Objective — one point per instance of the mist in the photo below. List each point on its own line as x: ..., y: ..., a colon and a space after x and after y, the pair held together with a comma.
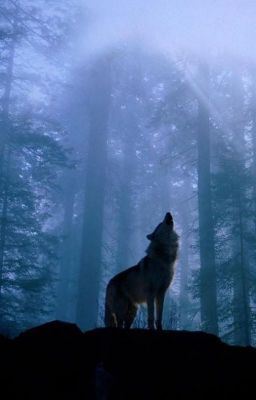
x: 113, y: 113
x: 204, y: 28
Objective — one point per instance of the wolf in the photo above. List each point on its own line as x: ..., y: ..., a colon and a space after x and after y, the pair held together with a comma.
x: 146, y: 282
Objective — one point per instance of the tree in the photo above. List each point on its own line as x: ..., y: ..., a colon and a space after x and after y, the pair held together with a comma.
x: 208, y: 290
x: 99, y: 93
x: 31, y: 160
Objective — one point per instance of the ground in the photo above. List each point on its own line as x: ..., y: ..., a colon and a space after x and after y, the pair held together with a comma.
x: 58, y: 360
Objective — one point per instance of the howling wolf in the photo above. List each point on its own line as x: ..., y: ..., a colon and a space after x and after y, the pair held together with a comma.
x: 146, y: 282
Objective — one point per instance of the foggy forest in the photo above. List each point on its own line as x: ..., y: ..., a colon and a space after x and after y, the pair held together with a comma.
x: 113, y: 113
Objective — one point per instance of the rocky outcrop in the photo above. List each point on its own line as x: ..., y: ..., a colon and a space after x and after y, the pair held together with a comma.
x: 57, y: 360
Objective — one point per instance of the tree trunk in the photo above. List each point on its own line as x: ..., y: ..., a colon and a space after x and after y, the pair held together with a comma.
x: 6, y: 98
x: 242, y: 334
x: 95, y: 176
x: 5, y: 154
x: 208, y: 295
x: 63, y: 299
x: 184, y: 263
x: 125, y: 207
x: 241, y: 302
x: 253, y: 138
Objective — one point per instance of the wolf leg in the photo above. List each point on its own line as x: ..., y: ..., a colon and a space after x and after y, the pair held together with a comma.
x: 150, y: 305
x: 159, y: 309
x: 131, y: 314
x: 122, y: 305
x: 110, y: 319
x: 120, y: 322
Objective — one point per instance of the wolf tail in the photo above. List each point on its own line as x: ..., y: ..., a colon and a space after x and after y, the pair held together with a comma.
x: 110, y: 317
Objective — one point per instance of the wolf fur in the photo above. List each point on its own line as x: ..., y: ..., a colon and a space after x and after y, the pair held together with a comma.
x: 146, y: 282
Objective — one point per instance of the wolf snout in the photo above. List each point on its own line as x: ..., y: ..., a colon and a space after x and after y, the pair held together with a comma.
x: 168, y: 218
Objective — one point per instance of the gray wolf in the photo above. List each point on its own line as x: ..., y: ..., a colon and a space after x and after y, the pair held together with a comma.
x: 146, y: 282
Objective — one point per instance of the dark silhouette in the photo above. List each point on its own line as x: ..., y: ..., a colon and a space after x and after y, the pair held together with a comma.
x: 57, y: 360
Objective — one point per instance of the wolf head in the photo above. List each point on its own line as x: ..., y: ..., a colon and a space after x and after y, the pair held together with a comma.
x: 163, y: 241
x: 163, y: 229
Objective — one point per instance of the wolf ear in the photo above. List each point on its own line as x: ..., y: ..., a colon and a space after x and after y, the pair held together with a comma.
x: 150, y: 236
x: 168, y: 219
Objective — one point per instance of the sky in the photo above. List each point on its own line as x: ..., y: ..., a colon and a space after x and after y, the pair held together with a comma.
x: 201, y: 26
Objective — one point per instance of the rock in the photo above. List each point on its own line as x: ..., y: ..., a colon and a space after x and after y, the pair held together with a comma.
x: 58, y: 360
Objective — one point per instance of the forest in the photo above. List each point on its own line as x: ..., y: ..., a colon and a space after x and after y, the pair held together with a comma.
x: 111, y: 114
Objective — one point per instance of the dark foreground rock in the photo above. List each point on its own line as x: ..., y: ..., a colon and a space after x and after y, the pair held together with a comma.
x: 57, y: 360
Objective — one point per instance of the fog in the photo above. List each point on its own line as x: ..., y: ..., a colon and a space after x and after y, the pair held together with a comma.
x: 112, y: 114
x: 204, y: 28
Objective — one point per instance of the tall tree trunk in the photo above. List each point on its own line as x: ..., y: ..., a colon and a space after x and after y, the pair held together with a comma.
x: 5, y: 154
x: 241, y: 302
x: 253, y: 138
x: 3, y: 225
x: 131, y: 91
x: 95, y: 176
x: 125, y: 216
x: 6, y: 98
x: 242, y: 334
x: 208, y: 294
x: 184, y: 263
x: 67, y: 251
x: 125, y: 206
